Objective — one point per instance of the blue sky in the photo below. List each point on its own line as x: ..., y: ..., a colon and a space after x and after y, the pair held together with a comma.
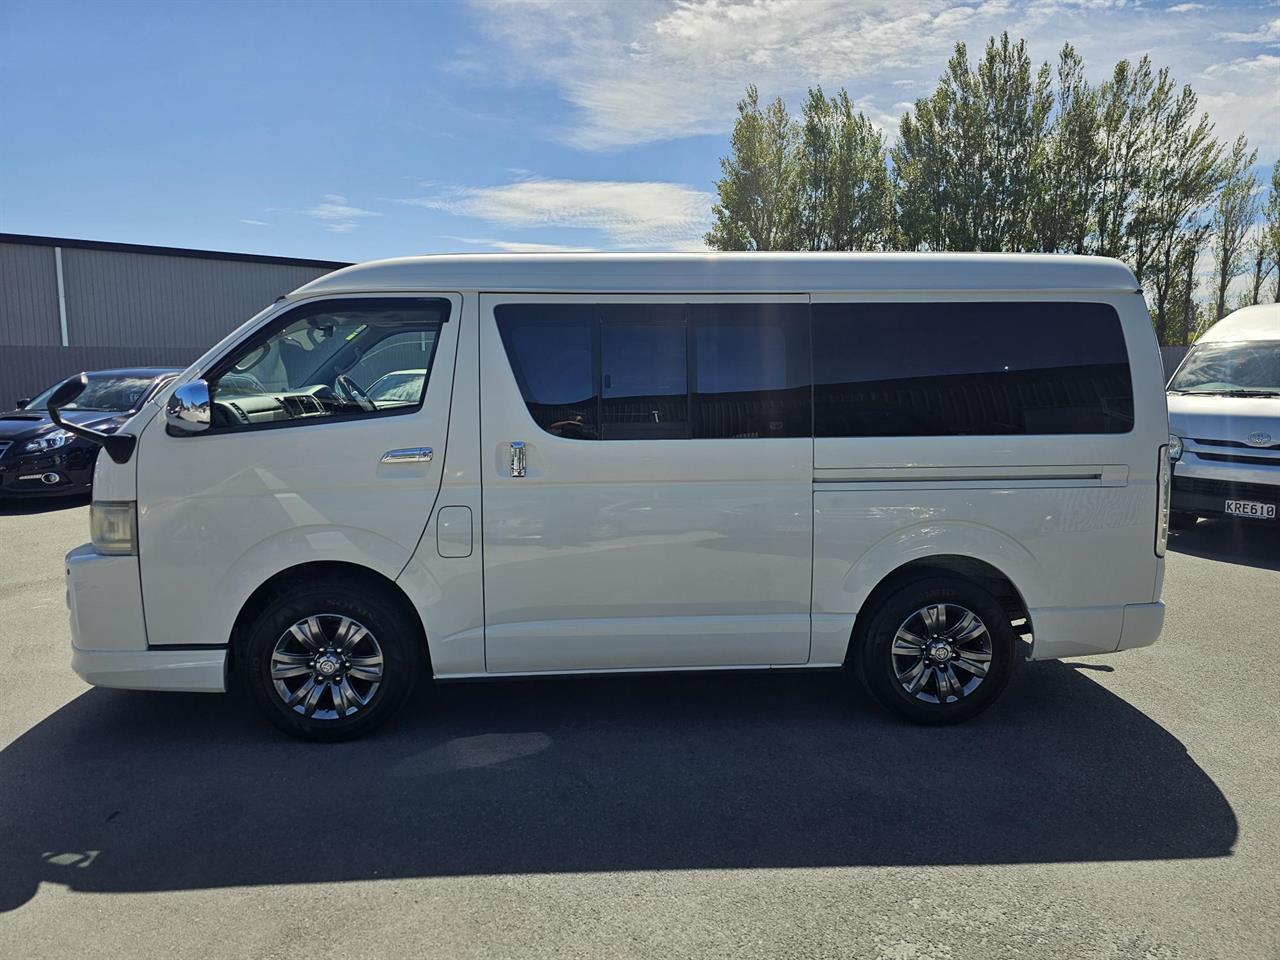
x: 359, y: 130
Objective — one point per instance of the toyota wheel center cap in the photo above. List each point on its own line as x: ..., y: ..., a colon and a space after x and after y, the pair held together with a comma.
x: 327, y: 666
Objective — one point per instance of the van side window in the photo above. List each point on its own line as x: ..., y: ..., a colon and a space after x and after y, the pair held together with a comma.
x: 644, y: 384
x: 361, y: 357
x: 945, y: 369
x: 751, y: 370
x: 552, y: 348
x: 657, y: 371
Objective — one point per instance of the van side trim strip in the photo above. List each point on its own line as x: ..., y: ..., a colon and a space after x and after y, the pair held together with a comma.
x: 1101, y: 475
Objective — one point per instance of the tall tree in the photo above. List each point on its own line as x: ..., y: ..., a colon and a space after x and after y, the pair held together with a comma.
x: 1233, y: 215
x: 1269, y: 240
x: 1071, y: 180
x: 757, y: 189
x: 845, y: 193
x: 1183, y: 166
x: 1125, y: 104
x: 968, y: 157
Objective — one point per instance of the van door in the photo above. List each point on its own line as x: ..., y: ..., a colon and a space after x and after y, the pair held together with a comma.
x: 647, y: 489
x: 327, y: 442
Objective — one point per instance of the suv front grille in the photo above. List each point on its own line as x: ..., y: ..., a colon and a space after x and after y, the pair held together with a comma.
x: 1234, y: 458
x: 1234, y: 443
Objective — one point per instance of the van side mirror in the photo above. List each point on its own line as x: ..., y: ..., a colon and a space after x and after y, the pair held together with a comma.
x: 188, y: 409
x: 23, y: 401
x: 119, y: 446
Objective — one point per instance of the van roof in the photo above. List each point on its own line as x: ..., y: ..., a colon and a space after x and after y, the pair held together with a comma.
x: 1258, y: 322
x: 730, y: 273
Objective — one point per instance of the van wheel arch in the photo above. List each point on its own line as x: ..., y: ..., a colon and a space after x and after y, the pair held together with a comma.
x: 280, y: 582
x: 979, y: 572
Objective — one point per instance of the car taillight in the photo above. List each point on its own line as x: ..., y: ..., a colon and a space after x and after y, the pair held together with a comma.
x: 1164, y: 481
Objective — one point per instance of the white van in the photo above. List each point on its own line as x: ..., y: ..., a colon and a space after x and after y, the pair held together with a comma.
x: 924, y: 467
x: 1224, y: 414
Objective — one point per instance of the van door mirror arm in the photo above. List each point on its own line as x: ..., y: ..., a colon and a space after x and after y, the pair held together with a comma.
x: 119, y: 446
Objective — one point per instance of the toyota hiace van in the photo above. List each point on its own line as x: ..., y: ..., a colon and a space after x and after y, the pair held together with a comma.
x: 920, y: 467
x: 1224, y: 417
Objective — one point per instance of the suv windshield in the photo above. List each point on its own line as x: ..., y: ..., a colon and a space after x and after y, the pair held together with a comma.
x: 103, y: 394
x: 1240, y: 367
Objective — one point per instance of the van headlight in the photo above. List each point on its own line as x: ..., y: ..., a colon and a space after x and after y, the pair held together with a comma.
x: 113, y: 527
x: 50, y: 441
x: 1175, y: 448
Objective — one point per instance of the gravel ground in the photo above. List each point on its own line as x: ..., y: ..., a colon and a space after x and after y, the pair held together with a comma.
x: 1104, y: 808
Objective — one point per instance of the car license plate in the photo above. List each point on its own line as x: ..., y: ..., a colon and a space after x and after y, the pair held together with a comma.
x: 1248, y: 508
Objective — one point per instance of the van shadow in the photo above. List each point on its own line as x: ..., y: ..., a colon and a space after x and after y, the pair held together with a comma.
x: 121, y: 792
x: 1244, y: 542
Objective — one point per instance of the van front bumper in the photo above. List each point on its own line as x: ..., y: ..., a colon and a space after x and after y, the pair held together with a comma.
x: 109, y: 636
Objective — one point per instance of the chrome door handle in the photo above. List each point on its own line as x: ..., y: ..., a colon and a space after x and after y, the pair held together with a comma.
x: 517, y: 458
x: 407, y: 455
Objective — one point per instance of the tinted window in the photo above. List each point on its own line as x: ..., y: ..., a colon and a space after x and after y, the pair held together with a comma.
x: 644, y: 384
x: 551, y: 348
x: 751, y: 370
x: 661, y: 371
x: 330, y: 359
x: 938, y: 369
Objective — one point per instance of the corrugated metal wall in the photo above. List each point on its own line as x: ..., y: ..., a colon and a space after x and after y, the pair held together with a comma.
x: 28, y: 296
x: 123, y: 308
x: 115, y: 298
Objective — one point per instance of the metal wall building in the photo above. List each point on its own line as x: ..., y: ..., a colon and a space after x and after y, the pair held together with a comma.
x: 72, y: 305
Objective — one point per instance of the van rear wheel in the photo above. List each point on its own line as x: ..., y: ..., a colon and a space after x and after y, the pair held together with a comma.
x: 937, y: 650
x: 325, y: 661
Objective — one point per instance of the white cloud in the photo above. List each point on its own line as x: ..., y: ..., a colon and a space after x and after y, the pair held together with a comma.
x: 653, y: 70
x: 1244, y: 94
x: 629, y: 214
x: 337, y: 215
x: 256, y: 223
x: 1267, y: 33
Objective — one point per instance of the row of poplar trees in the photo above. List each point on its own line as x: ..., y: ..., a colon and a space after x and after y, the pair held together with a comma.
x: 1005, y: 156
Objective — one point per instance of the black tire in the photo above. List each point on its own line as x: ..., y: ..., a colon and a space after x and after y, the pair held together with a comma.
x: 877, y: 666
x: 1182, y: 521
x: 391, y: 634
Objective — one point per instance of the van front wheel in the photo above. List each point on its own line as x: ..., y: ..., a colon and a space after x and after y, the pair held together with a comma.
x: 937, y: 650
x: 325, y: 661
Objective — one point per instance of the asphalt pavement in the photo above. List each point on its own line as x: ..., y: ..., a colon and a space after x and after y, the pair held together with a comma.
x: 1114, y: 807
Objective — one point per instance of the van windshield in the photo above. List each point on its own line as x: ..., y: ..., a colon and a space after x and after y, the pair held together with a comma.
x: 1231, y: 368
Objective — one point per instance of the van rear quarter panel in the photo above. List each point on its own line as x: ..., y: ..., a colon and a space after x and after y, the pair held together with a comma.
x: 1069, y: 519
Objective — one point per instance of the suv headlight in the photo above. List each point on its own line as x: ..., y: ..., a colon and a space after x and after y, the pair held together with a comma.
x: 113, y: 527
x: 50, y: 441
x: 1175, y: 448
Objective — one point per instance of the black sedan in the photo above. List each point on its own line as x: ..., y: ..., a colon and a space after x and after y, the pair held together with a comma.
x: 37, y: 458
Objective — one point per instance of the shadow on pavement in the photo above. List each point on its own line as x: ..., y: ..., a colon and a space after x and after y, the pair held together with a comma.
x: 26, y: 506
x: 130, y: 792
x: 1248, y: 543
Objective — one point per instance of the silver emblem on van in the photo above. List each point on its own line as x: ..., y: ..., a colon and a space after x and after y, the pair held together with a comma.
x: 1259, y: 439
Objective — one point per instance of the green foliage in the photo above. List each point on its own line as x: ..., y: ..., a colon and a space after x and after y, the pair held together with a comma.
x: 1233, y: 214
x: 758, y: 206
x: 1007, y: 156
